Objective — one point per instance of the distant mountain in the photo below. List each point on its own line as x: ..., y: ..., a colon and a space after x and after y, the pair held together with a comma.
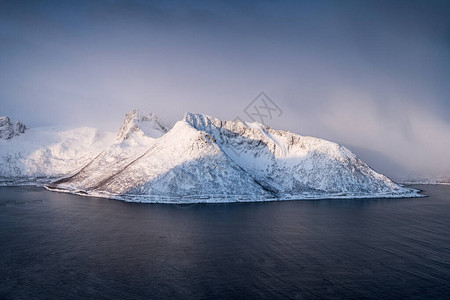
x: 426, y: 180
x: 10, y: 129
x: 45, y: 154
x: 204, y: 159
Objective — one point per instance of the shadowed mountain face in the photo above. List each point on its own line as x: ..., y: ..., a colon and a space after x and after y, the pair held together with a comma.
x: 204, y: 159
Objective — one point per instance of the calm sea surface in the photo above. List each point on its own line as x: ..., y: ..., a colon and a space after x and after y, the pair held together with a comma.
x: 55, y: 245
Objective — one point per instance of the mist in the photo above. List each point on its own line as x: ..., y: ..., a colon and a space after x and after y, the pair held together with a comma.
x: 372, y: 75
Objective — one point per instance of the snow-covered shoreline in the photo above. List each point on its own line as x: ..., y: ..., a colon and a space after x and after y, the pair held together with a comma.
x: 415, y: 193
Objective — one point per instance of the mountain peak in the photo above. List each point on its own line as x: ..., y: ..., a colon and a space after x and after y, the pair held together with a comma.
x: 202, y: 121
x: 10, y: 129
x: 141, y: 123
x: 198, y: 120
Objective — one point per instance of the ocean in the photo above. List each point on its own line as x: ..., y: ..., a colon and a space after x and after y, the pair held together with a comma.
x: 56, y: 245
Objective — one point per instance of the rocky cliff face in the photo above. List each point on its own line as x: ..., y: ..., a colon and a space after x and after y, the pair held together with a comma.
x: 10, y: 129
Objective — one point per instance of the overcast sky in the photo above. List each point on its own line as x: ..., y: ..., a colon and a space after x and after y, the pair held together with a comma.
x: 373, y: 75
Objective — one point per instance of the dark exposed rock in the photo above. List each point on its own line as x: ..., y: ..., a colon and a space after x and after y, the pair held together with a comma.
x: 10, y: 129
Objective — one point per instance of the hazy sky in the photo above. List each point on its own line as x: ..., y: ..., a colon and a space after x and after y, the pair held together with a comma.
x: 373, y: 75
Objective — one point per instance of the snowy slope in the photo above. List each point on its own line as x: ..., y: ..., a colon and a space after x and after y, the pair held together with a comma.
x: 49, y: 153
x: 137, y: 133
x: 291, y: 163
x: 203, y: 159
x: 183, y: 163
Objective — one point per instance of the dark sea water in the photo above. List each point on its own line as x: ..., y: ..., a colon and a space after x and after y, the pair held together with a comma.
x: 55, y: 245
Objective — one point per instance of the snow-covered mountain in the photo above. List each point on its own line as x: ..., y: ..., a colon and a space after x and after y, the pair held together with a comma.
x: 137, y: 134
x: 43, y: 154
x: 141, y: 124
x: 10, y: 129
x: 204, y: 159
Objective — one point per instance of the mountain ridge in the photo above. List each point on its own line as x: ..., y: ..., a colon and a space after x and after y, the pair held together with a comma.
x: 204, y: 159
